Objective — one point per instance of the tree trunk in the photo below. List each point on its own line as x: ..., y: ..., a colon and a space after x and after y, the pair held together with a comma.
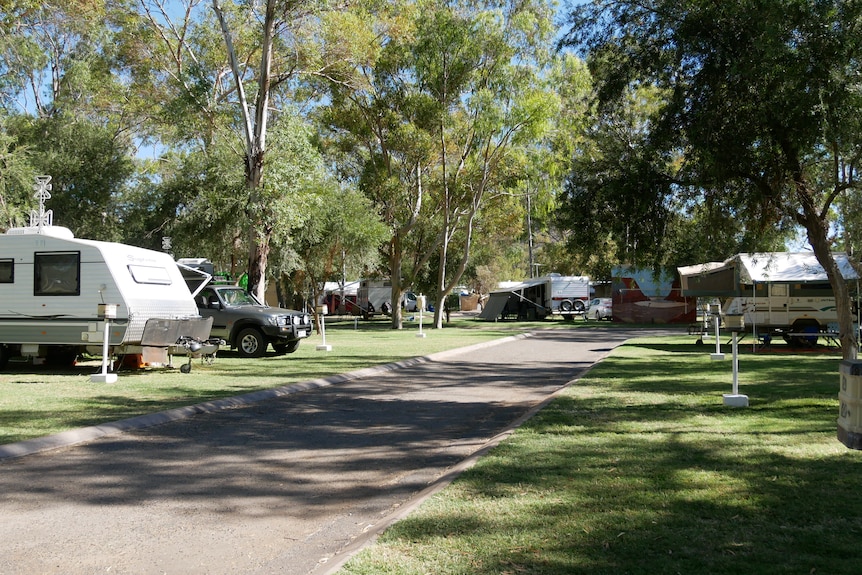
x: 259, y: 232
x: 818, y: 230
x: 441, y: 278
x: 395, y: 257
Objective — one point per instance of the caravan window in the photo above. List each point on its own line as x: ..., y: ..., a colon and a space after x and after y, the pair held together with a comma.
x: 57, y: 273
x: 7, y: 271
x: 150, y: 275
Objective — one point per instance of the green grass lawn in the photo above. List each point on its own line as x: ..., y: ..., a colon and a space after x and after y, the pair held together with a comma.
x: 640, y: 468
x: 37, y: 400
x: 636, y: 468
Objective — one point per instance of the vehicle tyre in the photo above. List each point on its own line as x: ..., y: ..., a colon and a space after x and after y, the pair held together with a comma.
x: 283, y: 348
x: 186, y: 368
x: 565, y: 305
x: 598, y: 317
x: 250, y: 343
x: 579, y: 306
x: 811, y: 326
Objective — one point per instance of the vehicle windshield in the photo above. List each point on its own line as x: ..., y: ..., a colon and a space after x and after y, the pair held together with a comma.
x: 237, y: 296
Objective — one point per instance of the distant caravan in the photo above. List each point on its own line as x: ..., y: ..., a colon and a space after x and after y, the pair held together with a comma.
x: 538, y: 298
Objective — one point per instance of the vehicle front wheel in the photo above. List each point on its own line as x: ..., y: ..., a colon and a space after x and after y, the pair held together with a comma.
x: 283, y: 348
x: 250, y: 343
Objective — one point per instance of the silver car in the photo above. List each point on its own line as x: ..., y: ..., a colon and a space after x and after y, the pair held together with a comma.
x: 600, y: 308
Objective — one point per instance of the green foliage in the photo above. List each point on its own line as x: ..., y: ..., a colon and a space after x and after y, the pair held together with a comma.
x: 752, y: 115
x: 340, y: 242
x: 90, y: 167
x: 16, y: 180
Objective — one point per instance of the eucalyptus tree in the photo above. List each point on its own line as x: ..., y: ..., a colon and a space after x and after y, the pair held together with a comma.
x: 90, y: 168
x: 342, y: 239
x: 435, y: 116
x: 378, y: 127
x: 16, y: 180
x: 58, y: 57
x: 486, y: 66
x: 761, y: 96
x: 65, y: 101
x: 229, y: 70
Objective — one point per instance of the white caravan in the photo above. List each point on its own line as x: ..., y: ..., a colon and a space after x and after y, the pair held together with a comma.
x: 54, y: 288
x: 538, y: 298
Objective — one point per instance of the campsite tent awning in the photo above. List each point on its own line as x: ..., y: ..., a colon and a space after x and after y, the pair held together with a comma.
x: 497, y: 299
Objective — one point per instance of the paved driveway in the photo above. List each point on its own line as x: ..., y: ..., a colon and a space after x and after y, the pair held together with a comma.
x: 290, y: 485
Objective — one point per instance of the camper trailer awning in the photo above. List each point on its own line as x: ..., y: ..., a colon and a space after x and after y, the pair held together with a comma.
x: 497, y: 299
x: 725, y: 278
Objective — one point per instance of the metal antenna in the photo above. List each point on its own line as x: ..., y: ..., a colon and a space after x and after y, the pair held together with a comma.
x: 42, y: 218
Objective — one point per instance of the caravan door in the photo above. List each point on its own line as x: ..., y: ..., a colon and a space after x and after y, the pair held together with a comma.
x: 779, y: 304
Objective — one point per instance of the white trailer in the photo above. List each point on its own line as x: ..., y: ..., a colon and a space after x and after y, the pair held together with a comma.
x: 538, y: 298
x: 568, y: 294
x: 53, y: 284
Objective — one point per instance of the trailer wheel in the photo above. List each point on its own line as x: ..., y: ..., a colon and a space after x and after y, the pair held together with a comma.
x: 565, y: 305
x: 250, y: 343
x: 806, y: 326
x: 579, y: 306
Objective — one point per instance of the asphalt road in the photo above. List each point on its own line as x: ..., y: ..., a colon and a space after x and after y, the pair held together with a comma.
x: 289, y: 485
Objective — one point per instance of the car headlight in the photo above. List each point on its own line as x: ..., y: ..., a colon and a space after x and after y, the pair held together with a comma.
x: 306, y: 319
x: 282, y: 320
x: 296, y: 319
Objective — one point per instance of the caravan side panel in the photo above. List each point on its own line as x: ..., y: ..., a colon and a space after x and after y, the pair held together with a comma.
x: 151, y: 285
x: 51, y: 287
x: 52, y: 291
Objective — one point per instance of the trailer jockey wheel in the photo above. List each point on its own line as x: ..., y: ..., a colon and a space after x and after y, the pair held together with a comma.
x: 186, y: 367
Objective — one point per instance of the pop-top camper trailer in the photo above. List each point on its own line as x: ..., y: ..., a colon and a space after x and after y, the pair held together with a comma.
x: 784, y: 292
x: 54, y: 287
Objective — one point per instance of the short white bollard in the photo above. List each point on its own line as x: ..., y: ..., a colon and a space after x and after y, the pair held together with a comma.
x: 321, y: 313
x: 735, y: 399
x: 420, y: 303
x: 108, y: 312
x: 717, y: 354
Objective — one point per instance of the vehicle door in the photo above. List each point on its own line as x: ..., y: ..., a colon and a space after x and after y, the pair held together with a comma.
x: 209, y: 305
